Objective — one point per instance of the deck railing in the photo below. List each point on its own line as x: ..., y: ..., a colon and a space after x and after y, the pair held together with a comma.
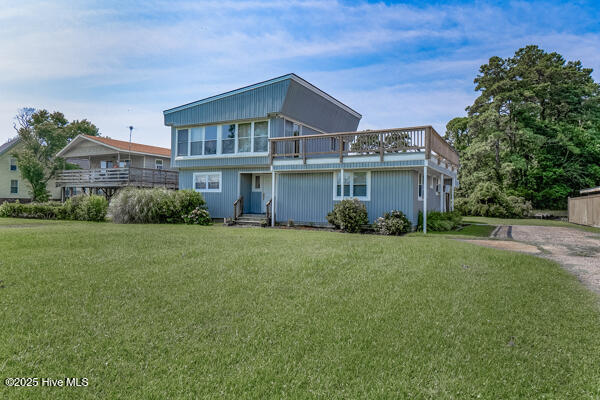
x: 371, y: 142
x: 117, y: 177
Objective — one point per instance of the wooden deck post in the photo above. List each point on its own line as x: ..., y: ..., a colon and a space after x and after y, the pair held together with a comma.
x: 441, y: 192
x: 381, y: 147
x: 425, y: 198
x: 452, y: 196
x: 341, y: 145
x: 342, y: 183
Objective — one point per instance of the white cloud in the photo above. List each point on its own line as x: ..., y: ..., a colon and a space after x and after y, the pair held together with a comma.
x: 396, y: 64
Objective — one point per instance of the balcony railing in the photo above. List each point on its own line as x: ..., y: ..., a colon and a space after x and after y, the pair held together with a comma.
x: 118, y: 177
x: 372, y: 142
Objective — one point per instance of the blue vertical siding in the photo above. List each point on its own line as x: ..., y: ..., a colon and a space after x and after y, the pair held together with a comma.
x: 255, y: 103
x: 304, y: 197
x: 308, y: 197
x: 220, y: 205
x: 391, y: 190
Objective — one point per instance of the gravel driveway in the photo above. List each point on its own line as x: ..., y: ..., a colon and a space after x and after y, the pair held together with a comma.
x: 576, y: 250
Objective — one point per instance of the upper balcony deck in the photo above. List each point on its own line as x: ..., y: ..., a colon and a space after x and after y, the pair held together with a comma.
x: 375, y: 144
x: 118, y: 177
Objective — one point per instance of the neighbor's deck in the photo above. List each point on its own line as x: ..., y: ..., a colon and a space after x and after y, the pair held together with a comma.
x: 118, y: 177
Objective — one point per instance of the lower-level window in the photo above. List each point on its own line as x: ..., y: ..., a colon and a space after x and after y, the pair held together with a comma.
x: 420, y: 186
x: 158, y: 164
x: 207, y: 181
x: 14, y: 186
x: 357, y: 184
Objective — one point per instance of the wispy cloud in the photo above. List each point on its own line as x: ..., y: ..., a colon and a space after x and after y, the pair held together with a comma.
x: 122, y: 63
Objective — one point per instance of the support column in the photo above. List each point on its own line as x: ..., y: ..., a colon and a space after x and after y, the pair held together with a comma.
x: 442, y: 196
x: 342, y: 183
x: 273, y: 202
x: 426, y: 189
x: 452, y: 196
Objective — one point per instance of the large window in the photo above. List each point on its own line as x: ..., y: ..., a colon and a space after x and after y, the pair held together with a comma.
x: 158, y: 164
x: 207, y: 181
x: 210, y: 139
x: 13, y: 164
x: 244, y: 137
x: 196, y: 142
x: 182, y: 142
x: 261, y: 134
x: 14, y: 186
x: 228, y: 139
x: 355, y: 185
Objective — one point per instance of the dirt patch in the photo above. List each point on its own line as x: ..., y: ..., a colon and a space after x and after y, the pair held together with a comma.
x: 506, y: 245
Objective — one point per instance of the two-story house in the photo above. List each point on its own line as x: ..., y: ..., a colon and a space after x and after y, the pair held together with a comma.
x: 286, y: 149
x: 12, y: 184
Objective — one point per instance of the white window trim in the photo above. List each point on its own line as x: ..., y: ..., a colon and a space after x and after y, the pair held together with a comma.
x: 363, y: 198
x: 11, y: 186
x: 436, y: 185
x: 158, y: 162
x: 10, y: 164
x: 419, y: 183
x: 220, y: 154
x: 254, y: 189
x: 208, y: 173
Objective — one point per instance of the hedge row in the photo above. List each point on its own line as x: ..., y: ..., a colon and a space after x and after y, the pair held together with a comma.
x: 79, y: 208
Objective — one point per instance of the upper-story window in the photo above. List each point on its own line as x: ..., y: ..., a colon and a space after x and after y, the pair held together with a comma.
x: 261, y: 134
x: 246, y: 137
x: 228, y: 139
x: 13, y: 164
x: 182, y: 142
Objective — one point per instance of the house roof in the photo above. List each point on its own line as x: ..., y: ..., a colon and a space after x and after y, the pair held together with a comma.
x: 121, y: 145
x: 8, y: 145
x: 291, y: 76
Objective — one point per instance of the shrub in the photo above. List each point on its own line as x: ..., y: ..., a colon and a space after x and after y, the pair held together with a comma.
x: 86, y: 208
x: 157, y: 206
x: 91, y: 208
x: 198, y: 216
x: 440, y: 221
x: 488, y: 200
x: 393, y: 223
x: 348, y: 215
x: 48, y: 210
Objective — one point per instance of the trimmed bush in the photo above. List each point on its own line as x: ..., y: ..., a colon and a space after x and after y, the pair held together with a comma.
x: 440, y: 221
x: 348, y: 215
x: 48, y: 210
x: 392, y: 223
x: 154, y: 206
x: 488, y: 200
x: 91, y: 208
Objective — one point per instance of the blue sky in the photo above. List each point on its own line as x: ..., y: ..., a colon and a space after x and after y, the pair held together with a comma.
x: 121, y: 63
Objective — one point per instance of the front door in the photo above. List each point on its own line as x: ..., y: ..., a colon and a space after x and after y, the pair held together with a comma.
x: 265, y: 186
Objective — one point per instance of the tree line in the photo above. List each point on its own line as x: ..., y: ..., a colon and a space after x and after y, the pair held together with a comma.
x: 532, y: 136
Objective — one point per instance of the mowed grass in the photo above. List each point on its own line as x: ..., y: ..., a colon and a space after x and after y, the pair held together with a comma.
x: 157, y: 312
x: 479, y: 231
x: 528, y: 221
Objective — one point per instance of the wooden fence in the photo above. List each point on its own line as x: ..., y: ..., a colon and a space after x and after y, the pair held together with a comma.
x: 585, y: 210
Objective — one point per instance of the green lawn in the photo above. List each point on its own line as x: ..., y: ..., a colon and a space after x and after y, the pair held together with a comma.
x: 527, y: 221
x: 157, y: 312
x: 467, y: 231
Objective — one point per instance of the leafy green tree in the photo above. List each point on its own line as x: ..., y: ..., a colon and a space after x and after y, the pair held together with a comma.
x: 534, y: 130
x: 44, y: 134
